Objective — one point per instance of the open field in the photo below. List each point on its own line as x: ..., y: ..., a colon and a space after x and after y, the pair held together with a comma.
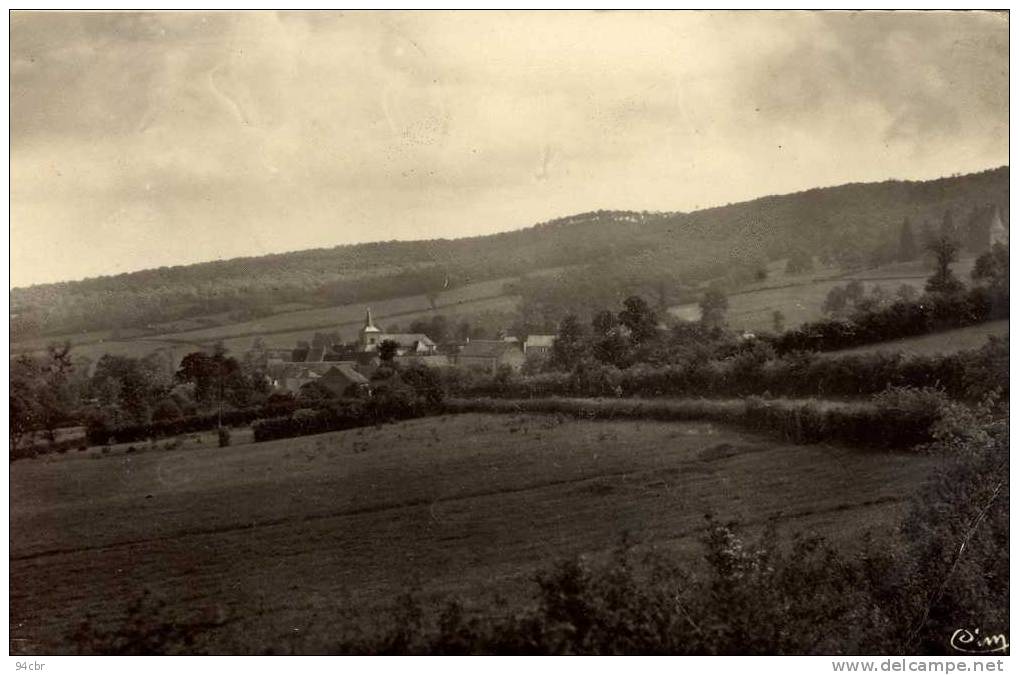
x: 800, y: 297
x: 284, y: 329
x: 285, y: 539
x: 945, y: 342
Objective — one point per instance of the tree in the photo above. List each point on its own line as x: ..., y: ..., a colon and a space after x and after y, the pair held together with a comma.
x: 714, y: 305
x: 570, y: 344
x: 778, y: 321
x: 24, y: 381
x: 991, y: 268
x: 907, y: 242
x: 387, y: 350
x: 799, y: 262
x: 855, y: 291
x: 638, y: 316
x: 53, y: 396
x: 906, y: 293
x: 836, y: 301
x: 603, y: 322
x: 945, y: 251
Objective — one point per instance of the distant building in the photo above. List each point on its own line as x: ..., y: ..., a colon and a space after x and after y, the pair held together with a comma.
x: 489, y: 355
x: 539, y: 345
x: 291, y: 376
x: 371, y: 336
x: 341, y: 377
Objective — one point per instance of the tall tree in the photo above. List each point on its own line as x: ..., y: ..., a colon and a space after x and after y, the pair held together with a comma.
x: 714, y: 306
x: 570, y: 344
x: 638, y: 316
x: 991, y: 268
x: 387, y: 350
x: 945, y: 251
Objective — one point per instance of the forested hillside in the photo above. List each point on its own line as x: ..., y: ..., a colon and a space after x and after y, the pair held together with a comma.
x: 611, y: 255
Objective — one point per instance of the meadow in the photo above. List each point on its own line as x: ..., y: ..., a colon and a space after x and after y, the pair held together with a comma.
x: 800, y: 297
x: 944, y: 342
x: 285, y: 542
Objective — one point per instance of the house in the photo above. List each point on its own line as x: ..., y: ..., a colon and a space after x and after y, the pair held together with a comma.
x: 371, y: 337
x: 490, y: 355
x: 538, y: 345
x: 341, y: 377
x: 292, y: 376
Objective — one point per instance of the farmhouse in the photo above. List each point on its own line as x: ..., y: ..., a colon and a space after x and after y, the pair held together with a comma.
x: 489, y: 355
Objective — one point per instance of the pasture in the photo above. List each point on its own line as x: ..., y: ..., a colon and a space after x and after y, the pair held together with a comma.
x: 801, y: 297
x: 287, y: 540
x: 945, y: 342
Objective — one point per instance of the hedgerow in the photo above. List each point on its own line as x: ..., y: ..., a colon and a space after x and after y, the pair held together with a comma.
x: 98, y: 433
x: 967, y: 375
x: 874, y: 425
x: 931, y: 313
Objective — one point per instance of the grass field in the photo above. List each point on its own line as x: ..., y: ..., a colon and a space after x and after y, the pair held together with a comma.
x: 286, y: 328
x: 946, y: 342
x: 288, y: 539
x: 800, y: 297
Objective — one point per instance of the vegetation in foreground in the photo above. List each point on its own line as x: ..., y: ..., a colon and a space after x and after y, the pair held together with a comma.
x: 748, y: 594
x: 950, y: 571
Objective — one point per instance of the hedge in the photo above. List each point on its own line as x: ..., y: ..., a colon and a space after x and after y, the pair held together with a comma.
x: 929, y: 314
x: 97, y: 433
x: 964, y: 375
x: 385, y: 406
x: 864, y: 425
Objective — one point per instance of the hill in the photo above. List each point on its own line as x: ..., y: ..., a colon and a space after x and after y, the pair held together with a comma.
x: 604, y: 256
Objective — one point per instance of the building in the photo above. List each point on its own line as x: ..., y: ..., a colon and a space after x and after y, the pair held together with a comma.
x: 538, y: 345
x: 341, y: 378
x: 490, y: 355
x: 371, y: 337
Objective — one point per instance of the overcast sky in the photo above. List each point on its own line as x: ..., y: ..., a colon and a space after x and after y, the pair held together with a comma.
x: 142, y: 140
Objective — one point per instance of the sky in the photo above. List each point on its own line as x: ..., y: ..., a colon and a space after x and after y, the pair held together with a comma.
x: 141, y: 140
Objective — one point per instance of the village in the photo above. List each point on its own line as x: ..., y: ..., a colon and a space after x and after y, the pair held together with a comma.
x: 344, y: 368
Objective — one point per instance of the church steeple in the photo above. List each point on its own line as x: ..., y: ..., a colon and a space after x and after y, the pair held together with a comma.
x: 369, y: 336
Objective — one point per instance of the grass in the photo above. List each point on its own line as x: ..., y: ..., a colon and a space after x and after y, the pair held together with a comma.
x: 288, y: 539
x: 800, y: 297
x: 286, y: 328
x: 946, y: 342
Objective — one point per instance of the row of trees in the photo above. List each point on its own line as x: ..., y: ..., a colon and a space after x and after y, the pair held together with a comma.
x: 48, y: 392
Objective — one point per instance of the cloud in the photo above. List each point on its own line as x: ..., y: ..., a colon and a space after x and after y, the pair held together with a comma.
x: 162, y: 137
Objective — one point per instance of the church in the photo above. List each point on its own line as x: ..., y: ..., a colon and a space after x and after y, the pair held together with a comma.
x: 370, y: 337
